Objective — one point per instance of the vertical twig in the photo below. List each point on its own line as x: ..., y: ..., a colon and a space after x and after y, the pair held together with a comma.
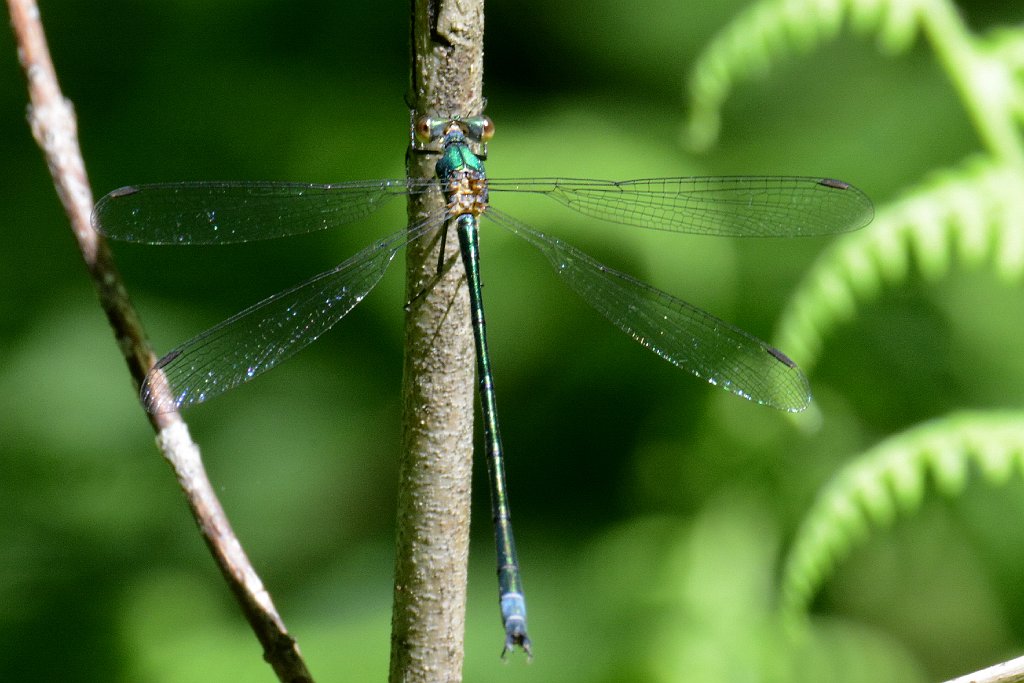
x: 428, y: 620
x: 54, y: 127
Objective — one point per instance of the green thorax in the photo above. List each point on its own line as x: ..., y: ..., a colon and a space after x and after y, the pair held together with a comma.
x: 456, y: 156
x: 462, y: 175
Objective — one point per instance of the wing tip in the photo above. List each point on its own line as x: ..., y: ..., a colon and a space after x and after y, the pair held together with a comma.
x: 124, y: 191
x: 834, y: 183
x: 797, y: 396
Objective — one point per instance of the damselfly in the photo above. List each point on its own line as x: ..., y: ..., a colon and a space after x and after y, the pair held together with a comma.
x: 263, y: 335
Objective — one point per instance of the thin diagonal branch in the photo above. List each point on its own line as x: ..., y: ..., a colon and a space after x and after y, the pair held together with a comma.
x: 1011, y: 671
x: 54, y: 127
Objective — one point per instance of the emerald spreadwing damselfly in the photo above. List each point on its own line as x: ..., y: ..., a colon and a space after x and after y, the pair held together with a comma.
x: 263, y: 335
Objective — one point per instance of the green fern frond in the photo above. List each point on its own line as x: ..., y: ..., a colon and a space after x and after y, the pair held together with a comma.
x: 972, y: 216
x: 891, y: 477
x: 772, y: 30
x: 986, y: 71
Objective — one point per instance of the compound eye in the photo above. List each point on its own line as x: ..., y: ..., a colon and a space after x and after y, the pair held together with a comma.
x: 486, y: 128
x: 481, y: 128
x: 423, y: 129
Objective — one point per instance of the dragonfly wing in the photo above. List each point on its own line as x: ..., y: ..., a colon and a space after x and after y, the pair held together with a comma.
x: 232, y: 212
x: 263, y: 335
x: 682, y: 334
x: 731, y: 206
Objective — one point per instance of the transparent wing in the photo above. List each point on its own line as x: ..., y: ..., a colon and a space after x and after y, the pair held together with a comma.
x: 263, y: 335
x: 232, y: 212
x: 682, y: 334
x: 731, y: 206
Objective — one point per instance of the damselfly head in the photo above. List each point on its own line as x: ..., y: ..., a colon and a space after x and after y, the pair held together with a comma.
x: 427, y: 129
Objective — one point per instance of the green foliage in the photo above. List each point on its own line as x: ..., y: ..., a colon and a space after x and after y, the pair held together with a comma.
x: 891, y: 478
x: 651, y: 510
x: 967, y: 217
x: 767, y: 32
x: 988, y: 72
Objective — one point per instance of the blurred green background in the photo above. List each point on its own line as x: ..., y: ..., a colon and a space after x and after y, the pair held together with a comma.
x: 651, y: 510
